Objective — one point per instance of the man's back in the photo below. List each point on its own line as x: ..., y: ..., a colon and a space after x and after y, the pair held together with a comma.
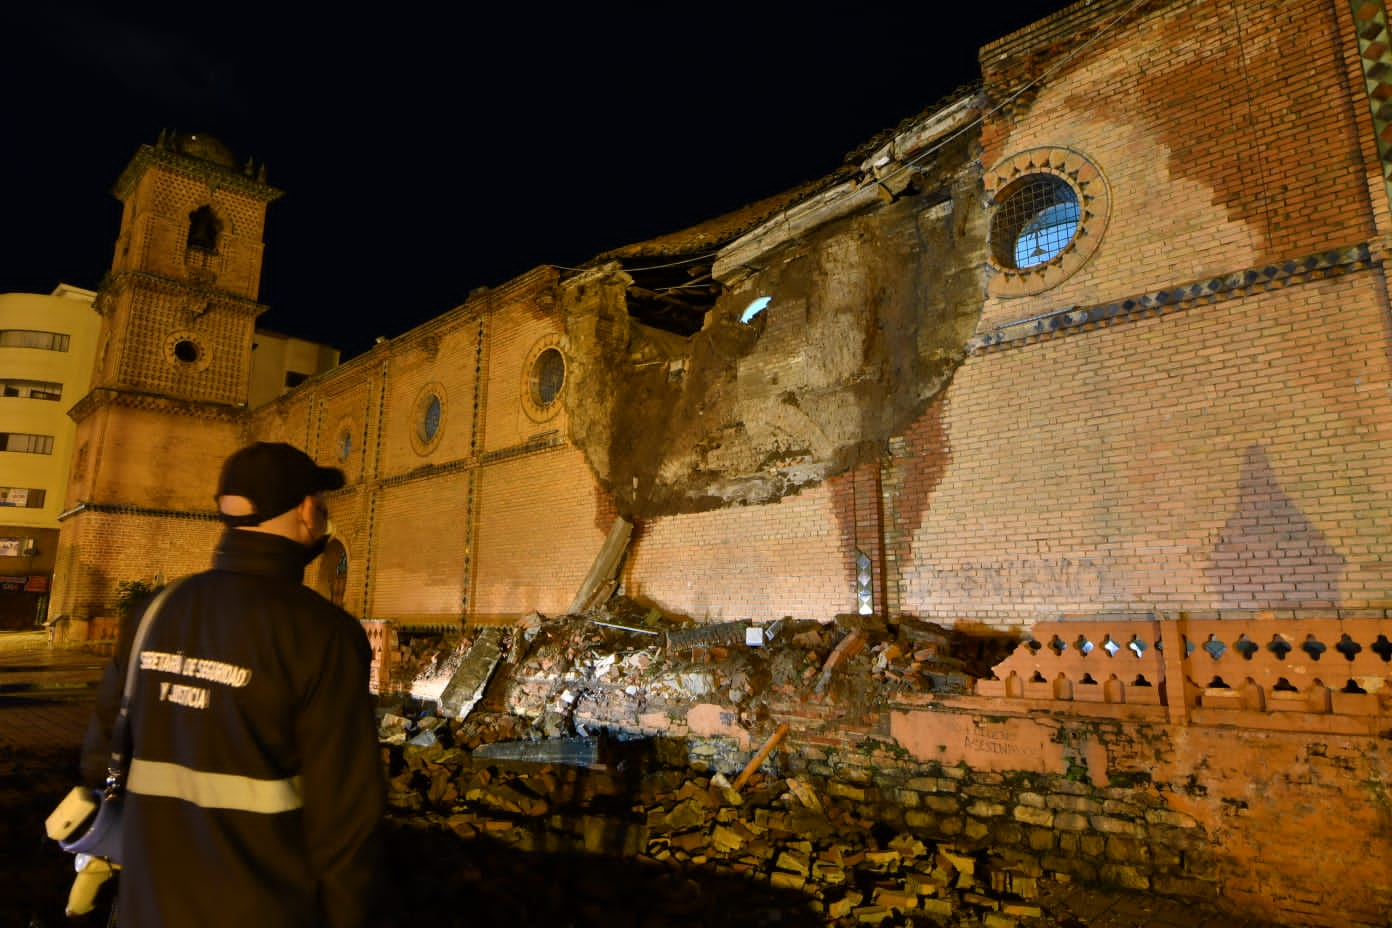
x: 255, y: 782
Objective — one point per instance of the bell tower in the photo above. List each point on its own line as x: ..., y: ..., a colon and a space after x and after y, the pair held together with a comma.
x: 170, y: 380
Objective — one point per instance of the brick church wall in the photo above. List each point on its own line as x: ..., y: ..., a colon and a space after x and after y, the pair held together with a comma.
x: 123, y: 546
x: 419, y: 550
x: 540, y: 524
x: 493, y: 516
x: 758, y: 562
x: 1223, y: 457
x: 1219, y: 448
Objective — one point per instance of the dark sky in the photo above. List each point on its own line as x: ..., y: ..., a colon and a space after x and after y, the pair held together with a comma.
x: 425, y: 154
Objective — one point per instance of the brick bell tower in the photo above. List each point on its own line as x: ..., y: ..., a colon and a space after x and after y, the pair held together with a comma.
x: 171, y: 375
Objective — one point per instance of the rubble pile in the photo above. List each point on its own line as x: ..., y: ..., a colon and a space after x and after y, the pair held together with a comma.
x: 557, y: 758
x: 609, y: 668
x: 814, y: 852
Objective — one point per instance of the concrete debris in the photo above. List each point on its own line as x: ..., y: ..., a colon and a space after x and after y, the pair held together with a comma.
x: 621, y: 666
x: 466, y: 686
x: 706, y: 636
x: 599, y: 583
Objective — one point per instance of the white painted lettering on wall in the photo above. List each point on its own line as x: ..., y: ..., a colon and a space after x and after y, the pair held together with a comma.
x: 995, y: 739
x: 1025, y: 579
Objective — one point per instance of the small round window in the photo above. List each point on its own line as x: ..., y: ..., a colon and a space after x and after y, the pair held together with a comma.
x: 548, y: 376
x: 1037, y: 218
x: 428, y: 418
x: 186, y: 350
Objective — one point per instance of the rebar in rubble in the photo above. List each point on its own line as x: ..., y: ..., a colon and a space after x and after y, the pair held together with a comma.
x: 704, y: 636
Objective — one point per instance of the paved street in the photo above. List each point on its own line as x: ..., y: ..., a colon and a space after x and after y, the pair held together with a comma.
x: 46, y: 697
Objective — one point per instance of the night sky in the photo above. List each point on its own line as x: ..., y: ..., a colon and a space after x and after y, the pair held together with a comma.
x: 425, y: 154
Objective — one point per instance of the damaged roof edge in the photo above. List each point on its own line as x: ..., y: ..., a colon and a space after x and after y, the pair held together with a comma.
x: 893, y: 156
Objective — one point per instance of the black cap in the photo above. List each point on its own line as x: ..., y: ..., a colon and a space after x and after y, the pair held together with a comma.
x: 276, y: 477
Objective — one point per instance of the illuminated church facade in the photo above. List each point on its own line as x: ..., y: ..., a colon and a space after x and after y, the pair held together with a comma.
x: 1097, y: 350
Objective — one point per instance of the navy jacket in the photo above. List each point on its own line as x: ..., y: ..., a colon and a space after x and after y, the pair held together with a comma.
x: 256, y: 785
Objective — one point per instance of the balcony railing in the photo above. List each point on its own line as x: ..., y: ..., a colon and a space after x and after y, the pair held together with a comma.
x: 1211, y: 671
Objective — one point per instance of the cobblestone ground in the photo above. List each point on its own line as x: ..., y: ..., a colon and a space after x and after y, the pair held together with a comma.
x: 437, y: 879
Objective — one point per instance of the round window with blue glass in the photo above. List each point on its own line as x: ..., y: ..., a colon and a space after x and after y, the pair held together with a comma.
x: 1035, y: 222
x: 429, y: 418
x: 1049, y: 211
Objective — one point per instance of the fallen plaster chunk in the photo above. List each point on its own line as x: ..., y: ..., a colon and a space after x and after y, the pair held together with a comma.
x: 804, y: 794
x: 466, y: 687
x: 392, y: 729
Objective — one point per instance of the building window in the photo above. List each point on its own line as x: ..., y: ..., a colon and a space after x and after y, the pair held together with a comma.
x: 22, y: 497
x: 32, y: 389
x: 16, y: 547
x: 1050, y: 210
x: 543, y: 379
x: 27, y: 338
x: 755, y: 307
x: 548, y: 376
x: 204, y: 229
x: 428, y: 418
x: 25, y: 443
x: 1036, y: 220
x: 344, y: 445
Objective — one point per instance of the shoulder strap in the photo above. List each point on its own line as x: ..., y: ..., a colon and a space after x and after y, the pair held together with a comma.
x: 138, y: 642
x: 120, y: 730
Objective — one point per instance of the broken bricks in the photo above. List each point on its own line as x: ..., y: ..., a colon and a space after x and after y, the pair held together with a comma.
x: 845, y: 866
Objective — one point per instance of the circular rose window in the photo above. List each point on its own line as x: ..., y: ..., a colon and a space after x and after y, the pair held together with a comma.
x: 544, y: 379
x: 1049, y: 210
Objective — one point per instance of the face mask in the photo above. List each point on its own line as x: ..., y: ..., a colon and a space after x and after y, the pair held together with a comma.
x: 317, y: 546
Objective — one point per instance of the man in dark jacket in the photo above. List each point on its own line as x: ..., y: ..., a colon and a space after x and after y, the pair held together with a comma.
x: 255, y: 786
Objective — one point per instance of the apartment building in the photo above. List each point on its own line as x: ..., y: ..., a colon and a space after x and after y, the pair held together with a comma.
x: 47, y: 343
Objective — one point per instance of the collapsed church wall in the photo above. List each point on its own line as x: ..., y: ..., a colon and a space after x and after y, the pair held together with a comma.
x: 1172, y: 407
x: 1119, y: 350
x: 752, y: 473
x: 1171, y: 415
